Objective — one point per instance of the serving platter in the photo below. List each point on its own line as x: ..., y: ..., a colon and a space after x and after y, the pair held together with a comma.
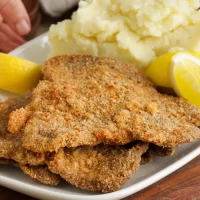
x: 37, y: 51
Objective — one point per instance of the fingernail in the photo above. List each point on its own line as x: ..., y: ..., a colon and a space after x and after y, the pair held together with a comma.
x: 23, y: 27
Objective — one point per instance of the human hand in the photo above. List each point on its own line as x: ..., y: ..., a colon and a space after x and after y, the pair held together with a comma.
x: 14, y: 23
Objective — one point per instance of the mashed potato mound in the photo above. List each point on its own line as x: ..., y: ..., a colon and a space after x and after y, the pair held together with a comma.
x: 135, y: 31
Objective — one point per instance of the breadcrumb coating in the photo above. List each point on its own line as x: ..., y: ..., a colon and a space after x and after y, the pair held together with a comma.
x: 39, y: 173
x: 102, y: 168
x: 86, y: 100
x: 11, y: 144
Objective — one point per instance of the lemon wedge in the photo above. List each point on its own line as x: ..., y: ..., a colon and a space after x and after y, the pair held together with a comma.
x: 18, y: 75
x: 159, y: 70
x: 185, y: 77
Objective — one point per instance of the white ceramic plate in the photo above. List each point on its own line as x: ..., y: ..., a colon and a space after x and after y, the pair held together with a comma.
x: 37, y: 50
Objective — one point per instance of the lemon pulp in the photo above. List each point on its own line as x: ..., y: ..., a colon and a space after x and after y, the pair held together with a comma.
x: 18, y: 75
x: 159, y: 70
x: 185, y: 77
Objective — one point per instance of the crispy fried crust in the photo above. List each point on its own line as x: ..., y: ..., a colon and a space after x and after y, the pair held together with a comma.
x: 42, y: 174
x: 11, y: 145
x: 17, y: 118
x: 39, y: 173
x: 101, y: 168
x: 86, y: 100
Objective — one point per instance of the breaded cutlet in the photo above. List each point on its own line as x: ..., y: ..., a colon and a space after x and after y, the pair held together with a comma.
x: 85, y: 100
x: 10, y: 144
x: 102, y: 168
x: 39, y: 173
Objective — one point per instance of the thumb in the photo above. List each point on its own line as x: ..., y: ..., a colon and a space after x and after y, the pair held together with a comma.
x: 15, y: 15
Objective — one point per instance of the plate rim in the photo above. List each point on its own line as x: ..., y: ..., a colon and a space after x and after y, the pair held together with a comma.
x: 18, y: 186
x: 27, y: 44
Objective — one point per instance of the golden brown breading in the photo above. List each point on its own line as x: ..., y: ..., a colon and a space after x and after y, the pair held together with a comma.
x: 102, y: 168
x: 20, y: 116
x: 42, y: 174
x: 11, y: 145
x: 39, y: 173
x: 86, y: 100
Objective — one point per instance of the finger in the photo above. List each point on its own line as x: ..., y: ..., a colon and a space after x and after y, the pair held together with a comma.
x: 15, y: 15
x: 1, y: 19
x: 13, y: 45
x: 14, y: 37
x: 6, y: 45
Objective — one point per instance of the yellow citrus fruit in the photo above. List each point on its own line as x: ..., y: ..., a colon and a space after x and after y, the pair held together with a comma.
x: 159, y: 70
x: 18, y: 75
x: 185, y: 77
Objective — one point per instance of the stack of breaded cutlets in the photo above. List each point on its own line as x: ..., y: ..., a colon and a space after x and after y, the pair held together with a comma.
x: 92, y: 121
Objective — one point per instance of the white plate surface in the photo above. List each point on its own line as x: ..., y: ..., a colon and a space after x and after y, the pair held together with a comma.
x: 37, y: 50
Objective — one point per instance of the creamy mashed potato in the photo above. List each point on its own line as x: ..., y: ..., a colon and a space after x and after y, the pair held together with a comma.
x: 135, y: 31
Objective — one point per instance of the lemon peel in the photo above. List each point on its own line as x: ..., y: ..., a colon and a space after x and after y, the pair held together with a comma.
x: 18, y: 75
x: 159, y: 70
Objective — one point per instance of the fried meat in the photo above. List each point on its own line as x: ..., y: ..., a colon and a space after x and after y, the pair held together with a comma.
x: 86, y: 100
x: 102, y: 168
x: 39, y: 173
x: 10, y: 144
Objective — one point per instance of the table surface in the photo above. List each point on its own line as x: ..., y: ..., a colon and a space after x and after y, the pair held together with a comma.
x: 184, y: 184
